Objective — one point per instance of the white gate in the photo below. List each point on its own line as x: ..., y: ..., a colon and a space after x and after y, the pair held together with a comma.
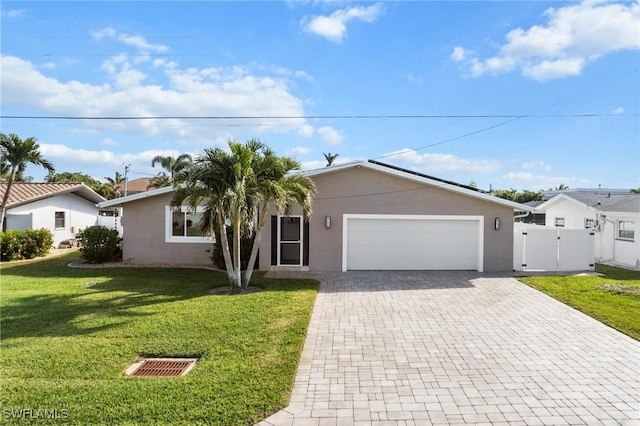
x: 540, y: 248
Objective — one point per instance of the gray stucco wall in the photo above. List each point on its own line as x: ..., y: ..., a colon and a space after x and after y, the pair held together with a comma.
x: 365, y: 191
x: 144, y: 236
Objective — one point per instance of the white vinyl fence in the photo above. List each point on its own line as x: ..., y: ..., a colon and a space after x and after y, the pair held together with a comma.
x: 541, y: 248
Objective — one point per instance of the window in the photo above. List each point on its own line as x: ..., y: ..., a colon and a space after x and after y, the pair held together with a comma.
x: 59, y: 220
x: 559, y: 222
x: 626, y: 230
x: 589, y: 223
x: 183, y: 226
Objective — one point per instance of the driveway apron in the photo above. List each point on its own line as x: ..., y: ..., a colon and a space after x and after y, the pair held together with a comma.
x: 422, y: 348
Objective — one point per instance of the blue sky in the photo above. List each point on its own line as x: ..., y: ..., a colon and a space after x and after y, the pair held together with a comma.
x: 342, y: 73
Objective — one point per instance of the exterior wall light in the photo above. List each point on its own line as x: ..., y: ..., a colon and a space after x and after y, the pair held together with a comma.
x: 327, y: 222
x: 496, y: 223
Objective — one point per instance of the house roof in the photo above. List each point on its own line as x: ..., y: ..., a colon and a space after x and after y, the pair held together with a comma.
x: 134, y: 186
x: 623, y: 203
x: 422, y: 178
x: 371, y: 164
x: 28, y: 192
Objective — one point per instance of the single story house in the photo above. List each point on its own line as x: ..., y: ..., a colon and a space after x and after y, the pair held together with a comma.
x: 367, y: 215
x: 63, y: 208
x: 615, y: 218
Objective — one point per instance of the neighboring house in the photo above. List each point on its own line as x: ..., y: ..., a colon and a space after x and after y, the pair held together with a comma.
x: 367, y: 216
x: 134, y: 186
x: 63, y: 208
x: 615, y: 218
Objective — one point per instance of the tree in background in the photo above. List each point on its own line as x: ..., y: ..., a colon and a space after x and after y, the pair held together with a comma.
x: 172, y: 167
x: 114, y: 183
x: 518, y: 197
x: 104, y: 189
x: 330, y: 158
x: 15, y: 154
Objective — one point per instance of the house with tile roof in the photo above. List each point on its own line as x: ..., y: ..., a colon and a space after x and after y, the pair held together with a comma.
x: 63, y: 208
x: 614, y: 216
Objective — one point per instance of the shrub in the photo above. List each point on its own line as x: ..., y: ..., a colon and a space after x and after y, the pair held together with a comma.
x: 99, y: 244
x: 29, y: 244
x: 246, y: 244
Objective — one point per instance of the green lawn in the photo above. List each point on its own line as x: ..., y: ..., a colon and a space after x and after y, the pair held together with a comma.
x: 613, y: 299
x: 67, y: 336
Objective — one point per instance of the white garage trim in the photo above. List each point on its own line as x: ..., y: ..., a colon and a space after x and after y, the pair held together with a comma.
x: 478, y: 219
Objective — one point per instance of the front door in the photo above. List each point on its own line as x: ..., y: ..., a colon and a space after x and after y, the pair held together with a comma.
x: 290, y: 240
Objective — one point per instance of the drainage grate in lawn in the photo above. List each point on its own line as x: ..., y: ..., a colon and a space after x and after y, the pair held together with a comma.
x: 161, y: 367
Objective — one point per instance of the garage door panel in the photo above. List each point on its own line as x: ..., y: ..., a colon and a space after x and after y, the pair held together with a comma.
x: 411, y: 244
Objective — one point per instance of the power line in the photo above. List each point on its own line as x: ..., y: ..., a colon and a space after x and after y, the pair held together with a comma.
x: 310, y: 117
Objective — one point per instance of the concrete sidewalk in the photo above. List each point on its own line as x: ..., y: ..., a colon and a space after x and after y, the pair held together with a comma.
x: 422, y: 348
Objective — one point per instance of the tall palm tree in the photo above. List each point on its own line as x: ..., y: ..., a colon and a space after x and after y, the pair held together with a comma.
x: 219, y: 181
x: 173, y: 167
x: 17, y: 153
x: 276, y: 183
x: 114, y: 183
x: 330, y: 158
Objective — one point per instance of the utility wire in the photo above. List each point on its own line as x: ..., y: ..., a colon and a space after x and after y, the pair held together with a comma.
x: 303, y: 117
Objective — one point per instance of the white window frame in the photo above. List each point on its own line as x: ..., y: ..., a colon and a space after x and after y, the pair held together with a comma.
x: 559, y: 222
x: 64, y: 220
x: 168, y: 229
x: 619, y: 228
x: 589, y: 223
x: 301, y: 241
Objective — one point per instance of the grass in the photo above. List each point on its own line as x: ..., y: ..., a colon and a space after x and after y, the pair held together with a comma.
x: 613, y: 299
x: 67, y: 335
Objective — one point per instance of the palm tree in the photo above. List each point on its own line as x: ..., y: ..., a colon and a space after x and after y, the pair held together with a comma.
x: 16, y: 154
x: 330, y: 157
x: 173, y: 167
x: 276, y: 183
x: 114, y: 183
x: 219, y: 181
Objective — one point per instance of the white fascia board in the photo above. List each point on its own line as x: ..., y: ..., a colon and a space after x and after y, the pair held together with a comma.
x: 560, y: 198
x: 424, y: 180
x: 116, y: 202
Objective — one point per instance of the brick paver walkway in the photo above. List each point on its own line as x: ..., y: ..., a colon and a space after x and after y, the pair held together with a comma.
x: 414, y: 348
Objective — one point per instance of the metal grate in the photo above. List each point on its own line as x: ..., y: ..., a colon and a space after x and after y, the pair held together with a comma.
x: 161, y: 367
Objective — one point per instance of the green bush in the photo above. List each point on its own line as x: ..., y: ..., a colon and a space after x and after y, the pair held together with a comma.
x: 100, y: 244
x: 29, y: 244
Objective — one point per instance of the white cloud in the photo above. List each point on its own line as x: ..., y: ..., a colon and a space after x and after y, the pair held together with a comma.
x: 534, y: 182
x: 14, y: 13
x: 572, y: 37
x: 60, y: 154
x: 458, y: 54
x: 413, y: 79
x: 334, y: 28
x: 108, y: 141
x: 535, y: 165
x: 432, y: 163
x: 306, y: 131
x: 329, y: 135
x: 132, y: 40
x: 221, y: 91
x: 300, y: 150
x: 618, y: 110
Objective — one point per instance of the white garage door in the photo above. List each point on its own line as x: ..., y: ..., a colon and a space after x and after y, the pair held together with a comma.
x: 381, y: 242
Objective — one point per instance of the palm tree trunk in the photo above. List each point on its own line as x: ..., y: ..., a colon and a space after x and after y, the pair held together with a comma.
x: 224, y: 242
x: 237, y: 266
x: 5, y: 197
x: 254, y: 250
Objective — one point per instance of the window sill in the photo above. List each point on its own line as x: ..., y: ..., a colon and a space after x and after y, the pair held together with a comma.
x: 190, y: 240
x: 625, y: 239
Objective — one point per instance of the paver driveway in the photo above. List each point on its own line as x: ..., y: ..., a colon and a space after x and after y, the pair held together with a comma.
x: 405, y: 348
